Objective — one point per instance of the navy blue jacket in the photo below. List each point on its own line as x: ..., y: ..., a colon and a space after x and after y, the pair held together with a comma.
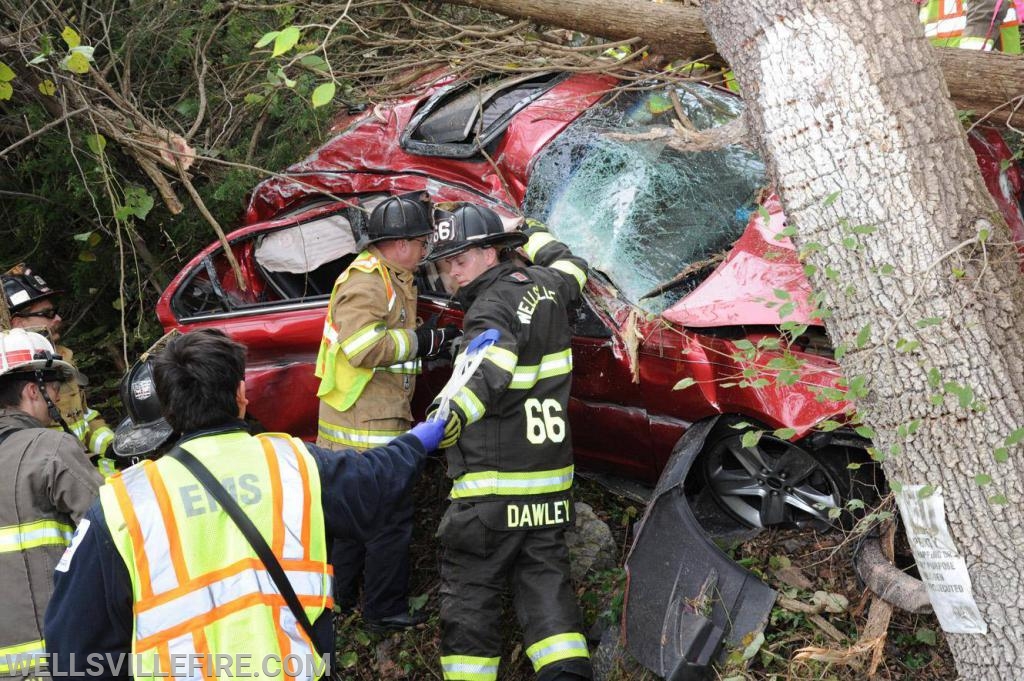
x: 91, y: 608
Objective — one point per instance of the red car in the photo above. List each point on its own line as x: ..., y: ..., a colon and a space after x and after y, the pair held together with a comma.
x: 692, y: 286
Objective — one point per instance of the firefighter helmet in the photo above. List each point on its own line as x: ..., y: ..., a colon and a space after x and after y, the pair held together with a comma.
x: 144, y: 431
x: 470, y: 226
x: 27, y: 352
x: 404, y: 216
x: 23, y: 287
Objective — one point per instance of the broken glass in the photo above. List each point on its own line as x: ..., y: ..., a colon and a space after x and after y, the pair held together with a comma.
x: 638, y: 210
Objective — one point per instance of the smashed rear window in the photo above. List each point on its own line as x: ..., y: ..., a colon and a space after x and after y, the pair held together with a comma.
x: 637, y: 209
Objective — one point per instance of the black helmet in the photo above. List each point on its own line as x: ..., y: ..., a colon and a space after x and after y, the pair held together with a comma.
x: 469, y: 226
x: 22, y: 287
x: 404, y: 216
x: 144, y: 431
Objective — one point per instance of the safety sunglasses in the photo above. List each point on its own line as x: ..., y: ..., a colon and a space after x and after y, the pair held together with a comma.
x: 48, y: 313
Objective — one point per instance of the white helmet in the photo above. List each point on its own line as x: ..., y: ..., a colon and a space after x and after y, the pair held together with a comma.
x: 25, y: 351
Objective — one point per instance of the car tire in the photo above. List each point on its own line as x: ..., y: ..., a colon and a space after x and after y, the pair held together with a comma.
x: 779, y: 483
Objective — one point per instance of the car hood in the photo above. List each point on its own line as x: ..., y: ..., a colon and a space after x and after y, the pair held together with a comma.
x: 761, y: 280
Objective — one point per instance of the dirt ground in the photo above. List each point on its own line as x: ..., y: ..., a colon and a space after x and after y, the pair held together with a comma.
x: 799, y: 642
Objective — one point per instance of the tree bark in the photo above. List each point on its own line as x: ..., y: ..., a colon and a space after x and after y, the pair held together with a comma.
x: 888, y: 204
x: 982, y: 82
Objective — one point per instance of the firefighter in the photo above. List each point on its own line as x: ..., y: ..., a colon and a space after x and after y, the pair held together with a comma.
x: 30, y: 300
x: 160, y: 568
x: 509, y: 452
x: 144, y: 433
x: 368, y: 358
x: 48, y: 486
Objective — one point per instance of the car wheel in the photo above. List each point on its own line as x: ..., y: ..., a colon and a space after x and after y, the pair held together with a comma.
x: 777, y: 483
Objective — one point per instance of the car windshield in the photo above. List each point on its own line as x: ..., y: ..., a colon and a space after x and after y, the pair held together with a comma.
x: 638, y: 210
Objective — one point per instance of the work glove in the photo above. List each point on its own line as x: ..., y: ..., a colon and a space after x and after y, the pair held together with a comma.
x: 530, y: 225
x: 432, y: 342
x: 429, y: 433
x: 452, y: 426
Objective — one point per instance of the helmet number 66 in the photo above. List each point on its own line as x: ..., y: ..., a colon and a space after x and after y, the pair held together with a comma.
x: 544, y: 421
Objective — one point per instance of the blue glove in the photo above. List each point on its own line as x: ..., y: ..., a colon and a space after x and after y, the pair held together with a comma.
x: 429, y: 433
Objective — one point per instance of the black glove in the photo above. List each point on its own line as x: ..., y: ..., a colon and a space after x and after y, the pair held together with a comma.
x: 432, y: 342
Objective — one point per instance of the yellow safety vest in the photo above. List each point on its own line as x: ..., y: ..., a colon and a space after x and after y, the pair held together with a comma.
x: 944, y: 23
x: 341, y: 384
x: 198, y: 588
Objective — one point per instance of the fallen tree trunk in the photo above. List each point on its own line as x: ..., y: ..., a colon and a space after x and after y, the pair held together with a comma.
x: 983, y: 82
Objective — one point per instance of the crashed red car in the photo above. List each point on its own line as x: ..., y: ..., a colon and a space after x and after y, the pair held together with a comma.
x: 691, y: 282
x: 696, y: 316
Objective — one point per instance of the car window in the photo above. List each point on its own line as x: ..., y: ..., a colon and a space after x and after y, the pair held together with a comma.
x: 637, y: 209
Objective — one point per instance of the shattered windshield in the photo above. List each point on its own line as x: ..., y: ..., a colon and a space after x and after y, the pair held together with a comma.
x: 637, y: 209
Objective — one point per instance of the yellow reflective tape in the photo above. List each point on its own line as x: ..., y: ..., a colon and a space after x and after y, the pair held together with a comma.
x: 555, y: 364
x: 555, y: 648
x: 22, y: 657
x: 572, y: 270
x: 412, y: 366
x: 470, y: 404
x: 400, y: 337
x: 356, y: 437
x: 362, y: 339
x: 537, y: 241
x: 501, y: 358
x: 469, y: 668
x: 30, y: 535
x: 484, y: 483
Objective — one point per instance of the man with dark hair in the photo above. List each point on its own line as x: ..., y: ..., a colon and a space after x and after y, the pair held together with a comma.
x: 509, y: 451
x: 46, y: 487
x: 31, y: 302
x: 164, y: 569
x: 369, y: 356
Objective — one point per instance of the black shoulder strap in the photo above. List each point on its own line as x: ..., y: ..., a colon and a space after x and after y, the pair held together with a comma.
x: 252, y: 535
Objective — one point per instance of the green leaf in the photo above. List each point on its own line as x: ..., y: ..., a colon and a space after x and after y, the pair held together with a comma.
x: 416, y: 603
x: 118, y: 304
x: 925, y: 636
x: 313, y: 61
x: 865, y: 432
x: 828, y: 426
x: 684, y: 384
x: 5, y: 91
x: 926, y: 491
x: 1014, y: 437
x: 71, y: 37
x: 323, y: 94
x: 657, y: 104
x: 285, y: 40
x: 254, y: 98
x: 6, y: 73
x: 76, y: 63
x: 348, y: 659
x: 83, y: 237
x: 784, y: 433
x: 850, y: 242
x: 96, y: 143
x: 138, y: 201
x: 754, y: 646
x: 896, y: 486
x: 864, y: 336
x: 266, y: 39
x: 87, y: 256
x: 982, y: 479
x: 763, y: 212
x: 751, y: 438
x: 1001, y: 455
x: 781, y: 293
x: 998, y: 500
x: 928, y: 321
x: 831, y: 198
x: 47, y: 87
x: 740, y: 426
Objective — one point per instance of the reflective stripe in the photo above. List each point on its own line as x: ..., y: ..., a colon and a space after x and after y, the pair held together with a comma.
x: 363, y: 338
x: 100, y: 439
x: 400, y: 337
x: 469, y: 668
x: 21, y: 657
x: 555, y: 648
x: 79, y: 427
x: 356, y: 437
x: 484, y: 483
x: 292, y: 497
x: 537, y: 241
x: 976, y: 43
x: 330, y: 333
x: 942, y: 27
x: 157, y: 541
x: 177, y: 613
x: 572, y: 270
x: 555, y: 364
x: 501, y: 358
x: 30, y: 535
x: 90, y: 414
x: 470, y: 404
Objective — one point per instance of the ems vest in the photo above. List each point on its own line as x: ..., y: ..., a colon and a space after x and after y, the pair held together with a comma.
x: 198, y: 587
x: 341, y: 384
x: 944, y: 23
